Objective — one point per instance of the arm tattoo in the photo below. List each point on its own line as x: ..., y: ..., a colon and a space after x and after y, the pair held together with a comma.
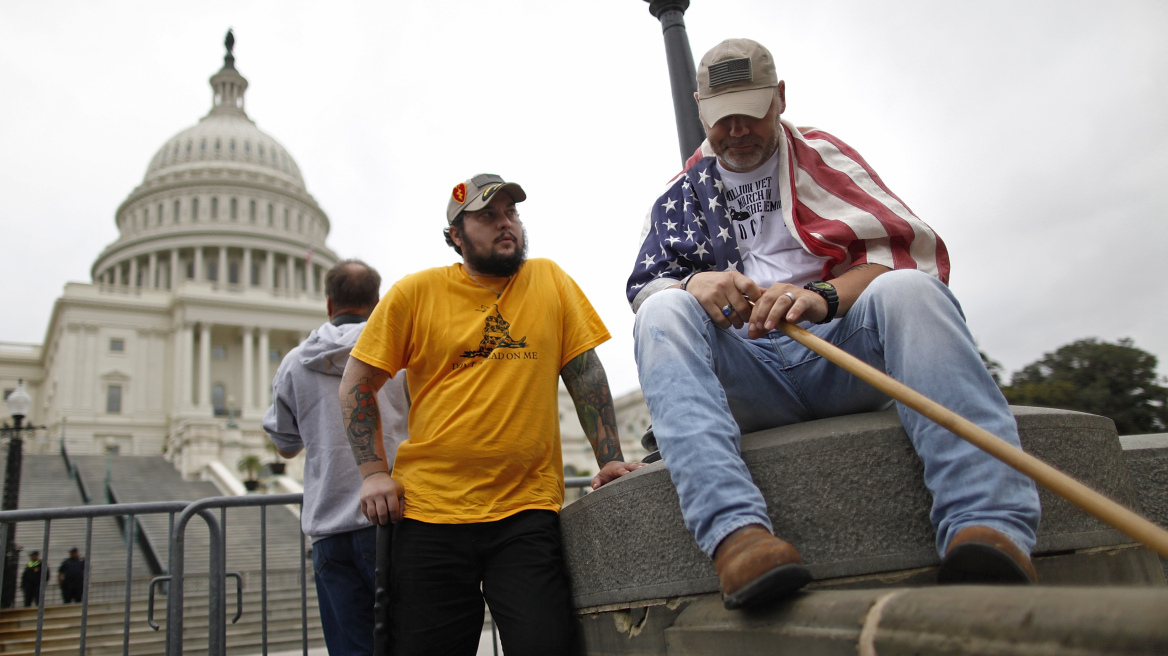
x: 588, y: 385
x: 361, y: 414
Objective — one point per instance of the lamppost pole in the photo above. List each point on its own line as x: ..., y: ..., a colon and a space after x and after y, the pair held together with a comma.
x: 682, y: 73
x: 19, y: 403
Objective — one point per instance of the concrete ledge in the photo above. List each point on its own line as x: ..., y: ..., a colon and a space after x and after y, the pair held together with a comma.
x: 847, y: 491
x: 924, y: 621
x: 1146, y: 457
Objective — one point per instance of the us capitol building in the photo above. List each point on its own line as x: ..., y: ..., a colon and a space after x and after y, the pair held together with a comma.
x: 217, y: 272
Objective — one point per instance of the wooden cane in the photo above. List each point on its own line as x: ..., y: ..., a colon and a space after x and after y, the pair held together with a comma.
x: 1118, y: 516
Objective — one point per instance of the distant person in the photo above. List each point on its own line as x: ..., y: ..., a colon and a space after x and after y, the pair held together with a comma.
x: 770, y: 223
x: 30, y: 579
x: 305, y: 414
x: 71, y: 577
x: 477, y: 489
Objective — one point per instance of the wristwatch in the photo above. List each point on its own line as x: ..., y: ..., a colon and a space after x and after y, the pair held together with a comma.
x: 827, y: 291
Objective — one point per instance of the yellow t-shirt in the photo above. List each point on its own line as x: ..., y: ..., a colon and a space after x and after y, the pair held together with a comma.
x: 483, y: 376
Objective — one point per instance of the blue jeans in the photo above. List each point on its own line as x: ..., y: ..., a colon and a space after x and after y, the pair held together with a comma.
x: 345, y: 566
x: 705, y: 386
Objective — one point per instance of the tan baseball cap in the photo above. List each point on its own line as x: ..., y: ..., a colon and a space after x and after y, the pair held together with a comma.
x: 737, y: 76
x: 474, y: 194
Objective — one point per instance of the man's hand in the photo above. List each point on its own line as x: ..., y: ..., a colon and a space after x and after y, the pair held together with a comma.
x: 382, y: 498
x: 613, y: 470
x: 783, y: 302
x: 716, y: 290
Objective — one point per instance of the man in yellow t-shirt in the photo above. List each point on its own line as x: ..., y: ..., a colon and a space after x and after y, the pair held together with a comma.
x: 475, y: 492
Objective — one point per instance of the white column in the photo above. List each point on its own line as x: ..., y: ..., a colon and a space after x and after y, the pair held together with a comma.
x: 172, y: 277
x: 248, y: 368
x: 186, y: 368
x: 92, y: 384
x: 262, y: 376
x: 152, y: 271
x: 222, y: 278
x: 245, y: 269
x: 199, y: 275
x: 270, y: 273
x: 134, y: 271
x: 71, y: 337
x: 204, y: 366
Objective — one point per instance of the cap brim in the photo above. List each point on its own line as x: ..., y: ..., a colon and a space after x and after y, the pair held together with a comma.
x: 749, y: 102
x: 511, y: 188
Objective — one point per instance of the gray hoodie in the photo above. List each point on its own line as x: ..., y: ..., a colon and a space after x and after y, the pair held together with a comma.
x: 306, y: 412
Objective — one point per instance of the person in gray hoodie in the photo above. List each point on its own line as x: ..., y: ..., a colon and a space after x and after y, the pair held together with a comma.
x: 305, y: 414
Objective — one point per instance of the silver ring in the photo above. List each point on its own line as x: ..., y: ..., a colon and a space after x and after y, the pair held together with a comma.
x: 727, y: 309
x: 789, y: 295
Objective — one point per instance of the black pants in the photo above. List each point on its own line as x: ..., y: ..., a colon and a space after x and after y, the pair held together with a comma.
x: 71, y: 593
x: 32, y: 597
x: 442, y: 573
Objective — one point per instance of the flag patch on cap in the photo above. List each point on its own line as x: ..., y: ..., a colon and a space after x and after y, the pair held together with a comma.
x: 731, y: 70
x: 459, y: 192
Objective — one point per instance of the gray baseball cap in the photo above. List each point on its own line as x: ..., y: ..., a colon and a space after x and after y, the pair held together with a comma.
x: 474, y: 194
x: 736, y: 76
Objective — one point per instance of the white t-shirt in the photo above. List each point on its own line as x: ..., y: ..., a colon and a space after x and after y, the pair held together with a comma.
x: 770, y: 253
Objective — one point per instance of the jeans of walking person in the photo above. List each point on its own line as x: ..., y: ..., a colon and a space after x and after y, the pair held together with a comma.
x: 706, y: 385
x: 442, y: 573
x: 345, y: 566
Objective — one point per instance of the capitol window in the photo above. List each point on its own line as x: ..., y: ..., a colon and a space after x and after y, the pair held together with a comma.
x: 194, y: 209
x: 287, y: 218
x: 160, y: 214
x: 251, y: 210
x: 219, y: 399
x: 177, y: 208
x: 261, y: 147
x: 188, y: 149
x: 233, y: 145
x: 247, y: 147
x: 203, y: 146
x: 216, y: 146
x: 234, y: 209
x: 117, y: 345
x: 271, y: 212
x: 299, y: 223
x: 218, y: 352
x: 214, y: 207
x: 113, y: 399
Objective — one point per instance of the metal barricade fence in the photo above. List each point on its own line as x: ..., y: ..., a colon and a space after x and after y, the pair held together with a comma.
x: 217, y: 573
x: 216, y: 587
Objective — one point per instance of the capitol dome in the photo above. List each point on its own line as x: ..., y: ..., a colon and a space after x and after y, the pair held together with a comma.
x: 221, y: 202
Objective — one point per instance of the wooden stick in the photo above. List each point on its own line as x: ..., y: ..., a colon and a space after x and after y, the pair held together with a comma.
x: 1118, y: 516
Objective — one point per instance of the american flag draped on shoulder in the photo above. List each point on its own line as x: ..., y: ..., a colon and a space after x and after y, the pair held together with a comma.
x: 833, y: 203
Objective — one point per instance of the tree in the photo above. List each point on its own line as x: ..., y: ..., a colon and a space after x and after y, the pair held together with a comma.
x: 1117, y: 381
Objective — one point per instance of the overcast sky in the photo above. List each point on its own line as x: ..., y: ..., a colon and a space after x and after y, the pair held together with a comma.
x: 1031, y: 135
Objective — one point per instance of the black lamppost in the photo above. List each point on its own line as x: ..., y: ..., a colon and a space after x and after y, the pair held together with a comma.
x: 19, y: 403
x: 682, y: 73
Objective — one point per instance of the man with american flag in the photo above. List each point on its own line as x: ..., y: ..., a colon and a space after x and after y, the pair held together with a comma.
x: 770, y: 222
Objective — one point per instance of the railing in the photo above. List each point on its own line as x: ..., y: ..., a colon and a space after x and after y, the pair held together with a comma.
x: 180, y: 514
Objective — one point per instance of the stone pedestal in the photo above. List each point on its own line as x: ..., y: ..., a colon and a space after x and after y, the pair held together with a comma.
x: 1146, y: 457
x: 848, y: 493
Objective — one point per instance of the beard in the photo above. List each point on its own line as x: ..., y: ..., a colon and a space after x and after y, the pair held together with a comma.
x: 748, y: 161
x: 489, y: 263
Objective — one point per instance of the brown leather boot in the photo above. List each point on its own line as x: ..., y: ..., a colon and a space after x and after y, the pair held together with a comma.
x: 755, y: 567
x: 979, y: 554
